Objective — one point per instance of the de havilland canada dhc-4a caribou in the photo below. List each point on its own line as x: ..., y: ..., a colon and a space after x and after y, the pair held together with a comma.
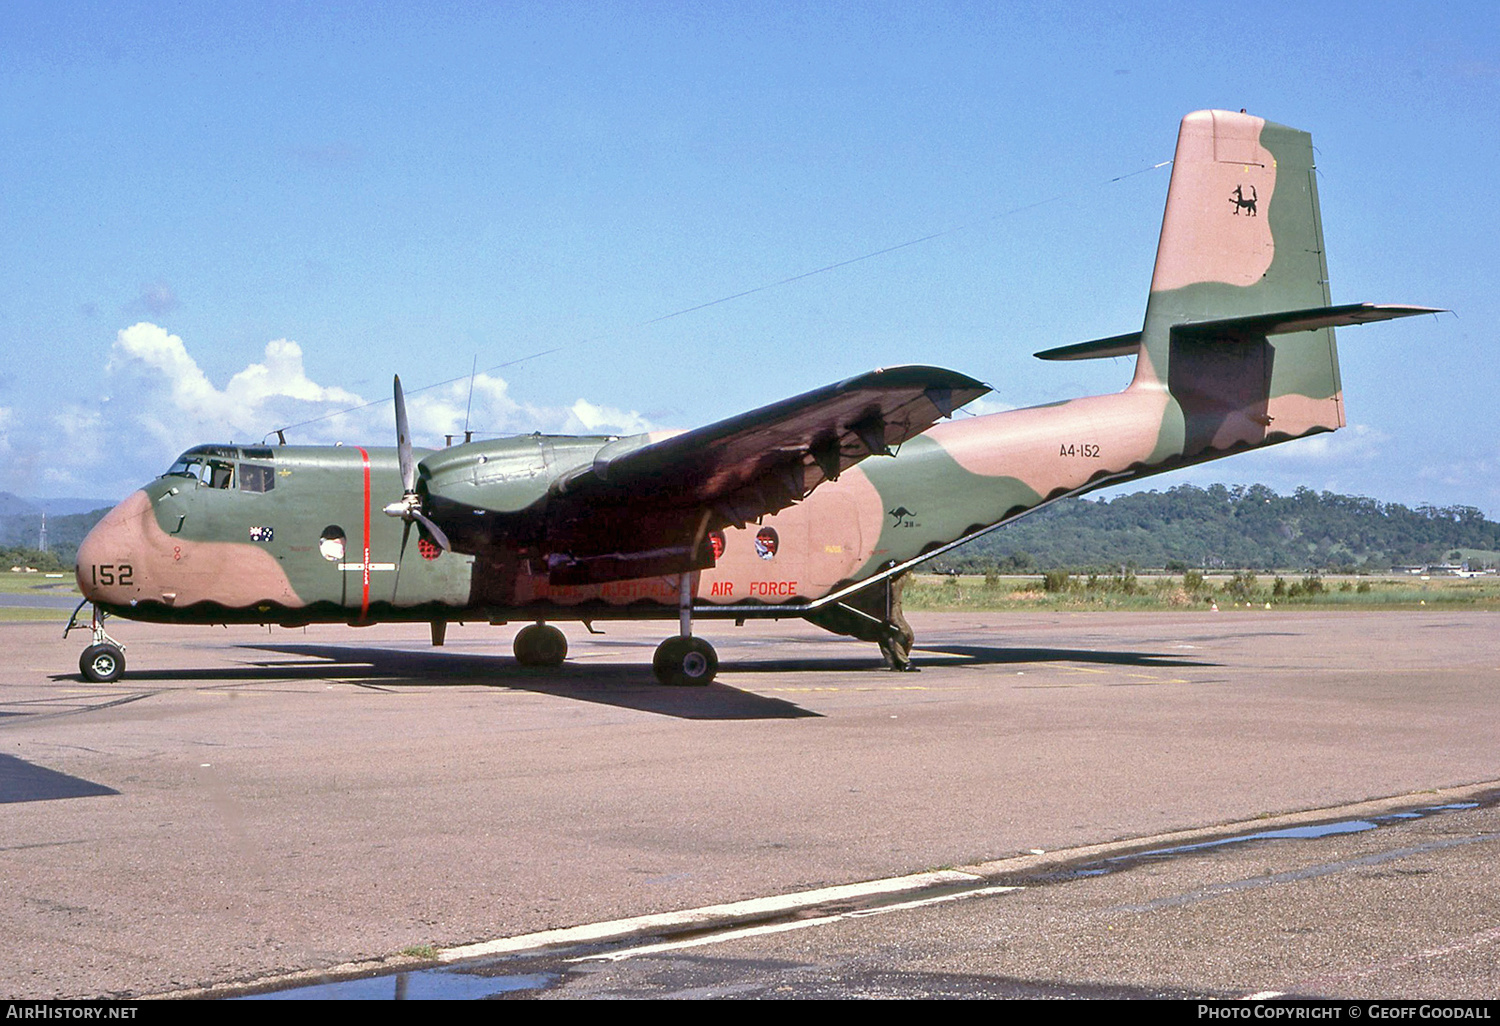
x: 813, y: 507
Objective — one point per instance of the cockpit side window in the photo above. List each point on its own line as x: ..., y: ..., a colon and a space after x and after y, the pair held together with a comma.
x: 255, y: 478
x: 221, y: 474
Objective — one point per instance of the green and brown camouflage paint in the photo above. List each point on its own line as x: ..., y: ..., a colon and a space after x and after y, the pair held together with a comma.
x: 1241, y: 236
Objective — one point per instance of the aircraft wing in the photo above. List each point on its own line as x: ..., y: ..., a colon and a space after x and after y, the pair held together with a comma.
x: 644, y: 507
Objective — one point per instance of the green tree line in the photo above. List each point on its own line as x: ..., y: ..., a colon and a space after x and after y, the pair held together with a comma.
x: 1220, y: 527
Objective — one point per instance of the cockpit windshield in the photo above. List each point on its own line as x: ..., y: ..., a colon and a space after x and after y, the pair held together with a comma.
x: 218, y: 466
x: 186, y: 466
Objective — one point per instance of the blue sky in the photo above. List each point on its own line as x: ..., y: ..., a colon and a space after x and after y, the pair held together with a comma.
x: 220, y: 220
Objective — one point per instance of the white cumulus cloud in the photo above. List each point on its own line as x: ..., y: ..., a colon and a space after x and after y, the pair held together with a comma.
x: 983, y: 407
x: 253, y: 401
x: 586, y: 418
x: 1356, y: 443
x: 160, y: 401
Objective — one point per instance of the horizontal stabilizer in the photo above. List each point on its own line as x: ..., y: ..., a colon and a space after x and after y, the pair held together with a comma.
x: 1261, y: 325
x: 1237, y: 328
x: 1117, y: 345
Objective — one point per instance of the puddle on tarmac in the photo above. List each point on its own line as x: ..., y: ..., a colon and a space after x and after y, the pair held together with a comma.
x: 470, y: 983
x: 1311, y: 831
x: 447, y: 983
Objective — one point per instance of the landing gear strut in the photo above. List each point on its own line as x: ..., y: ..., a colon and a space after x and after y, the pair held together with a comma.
x: 685, y: 661
x: 895, y: 646
x: 874, y: 615
x: 541, y: 645
x: 103, y: 662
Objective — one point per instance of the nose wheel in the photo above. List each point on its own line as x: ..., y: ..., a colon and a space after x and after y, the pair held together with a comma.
x: 103, y: 662
x: 685, y: 661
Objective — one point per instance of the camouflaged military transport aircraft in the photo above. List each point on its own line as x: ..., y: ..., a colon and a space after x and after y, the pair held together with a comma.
x: 801, y: 509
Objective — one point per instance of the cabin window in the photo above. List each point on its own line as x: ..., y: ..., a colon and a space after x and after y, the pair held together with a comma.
x: 255, y: 478
x: 331, y: 543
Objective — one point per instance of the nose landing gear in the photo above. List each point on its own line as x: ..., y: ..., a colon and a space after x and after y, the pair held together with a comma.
x: 103, y: 662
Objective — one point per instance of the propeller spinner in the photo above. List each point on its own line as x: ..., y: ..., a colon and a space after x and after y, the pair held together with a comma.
x: 409, y: 507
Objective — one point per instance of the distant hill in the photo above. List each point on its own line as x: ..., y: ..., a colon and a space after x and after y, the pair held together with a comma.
x: 67, y: 507
x: 20, y: 528
x: 14, y: 505
x: 1242, y: 527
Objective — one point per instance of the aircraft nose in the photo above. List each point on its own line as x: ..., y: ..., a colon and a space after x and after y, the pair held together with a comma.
x: 106, y: 559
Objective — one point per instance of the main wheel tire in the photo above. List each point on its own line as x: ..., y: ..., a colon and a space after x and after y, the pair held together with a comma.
x: 895, y: 649
x: 685, y: 662
x: 541, y: 645
x: 102, y: 664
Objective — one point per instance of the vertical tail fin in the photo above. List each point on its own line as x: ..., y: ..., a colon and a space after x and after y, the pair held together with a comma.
x: 1242, y: 238
x: 1238, y: 338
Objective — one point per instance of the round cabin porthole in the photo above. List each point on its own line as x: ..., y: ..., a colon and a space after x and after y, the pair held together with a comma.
x: 331, y: 543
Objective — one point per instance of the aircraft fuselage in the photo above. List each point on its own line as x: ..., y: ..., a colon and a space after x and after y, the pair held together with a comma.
x: 307, y: 540
x: 796, y: 509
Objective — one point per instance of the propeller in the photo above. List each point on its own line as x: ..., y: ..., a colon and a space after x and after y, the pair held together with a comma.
x: 409, y: 507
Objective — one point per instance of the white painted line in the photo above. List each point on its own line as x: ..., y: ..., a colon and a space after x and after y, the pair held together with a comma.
x: 1263, y: 995
x: 773, y: 905
x: 799, y: 924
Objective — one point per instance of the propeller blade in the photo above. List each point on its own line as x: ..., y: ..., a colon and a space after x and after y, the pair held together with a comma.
x: 400, y: 558
x: 409, y: 508
x: 433, y: 529
x: 403, y: 443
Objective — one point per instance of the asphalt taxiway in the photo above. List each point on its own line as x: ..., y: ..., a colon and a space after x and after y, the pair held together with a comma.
x: 249, y: 804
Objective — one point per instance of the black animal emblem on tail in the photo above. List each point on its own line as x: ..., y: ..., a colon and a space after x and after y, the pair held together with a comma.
x: 1241, y: 203
x: 902, y: 516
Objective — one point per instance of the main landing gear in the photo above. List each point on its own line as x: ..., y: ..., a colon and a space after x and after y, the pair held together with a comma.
x: 103, y: 662
x: 541, y: 644
x: 874, y: 615
x: 685, y: 661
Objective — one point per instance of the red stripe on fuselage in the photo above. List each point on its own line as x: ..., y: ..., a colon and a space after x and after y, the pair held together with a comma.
x: 364, y: 596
